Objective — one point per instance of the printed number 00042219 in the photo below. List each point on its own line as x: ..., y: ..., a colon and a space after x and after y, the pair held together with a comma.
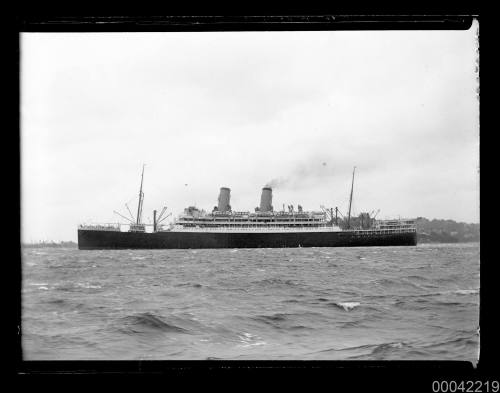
x: 465, y: 386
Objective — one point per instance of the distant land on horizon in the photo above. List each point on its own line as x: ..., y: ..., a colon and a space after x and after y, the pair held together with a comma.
x: 428, y: 231
x: 446, y: 231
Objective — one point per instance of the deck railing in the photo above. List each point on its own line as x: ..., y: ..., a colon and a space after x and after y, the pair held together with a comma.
x: 180, y: 228
x: 360, y: 232
x: 100, y: 227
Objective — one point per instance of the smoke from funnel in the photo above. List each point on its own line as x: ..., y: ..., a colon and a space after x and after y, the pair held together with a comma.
x: 309, y: 171
x: 277, y: 182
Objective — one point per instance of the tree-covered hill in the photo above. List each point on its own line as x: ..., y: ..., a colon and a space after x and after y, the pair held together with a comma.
x: 446, y: 231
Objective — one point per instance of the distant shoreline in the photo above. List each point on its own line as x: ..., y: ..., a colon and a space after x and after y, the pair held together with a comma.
x: 69, y: 244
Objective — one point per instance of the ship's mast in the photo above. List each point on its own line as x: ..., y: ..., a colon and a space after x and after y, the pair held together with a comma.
x: 350, y: 201
x: 141, y: 198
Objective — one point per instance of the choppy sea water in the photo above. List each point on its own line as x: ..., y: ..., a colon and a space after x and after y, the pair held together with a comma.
x: 374, y: 303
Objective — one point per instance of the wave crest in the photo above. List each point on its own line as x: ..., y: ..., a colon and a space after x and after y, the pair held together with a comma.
x: 145, y: 322
x: 347, y: 306
x: 467, y: 291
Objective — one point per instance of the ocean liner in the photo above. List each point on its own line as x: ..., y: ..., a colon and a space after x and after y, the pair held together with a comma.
x: 263, y: 228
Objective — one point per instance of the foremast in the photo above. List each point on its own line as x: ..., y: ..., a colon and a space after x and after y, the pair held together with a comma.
x: 350, y: 201
x: 141, y: 199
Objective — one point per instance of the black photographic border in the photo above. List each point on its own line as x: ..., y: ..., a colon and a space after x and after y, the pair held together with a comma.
x: 361, y: 374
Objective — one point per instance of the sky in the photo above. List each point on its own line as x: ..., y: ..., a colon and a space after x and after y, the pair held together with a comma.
x: 204, y: 110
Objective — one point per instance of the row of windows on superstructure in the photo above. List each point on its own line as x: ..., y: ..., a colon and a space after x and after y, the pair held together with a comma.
x: 192, y: 225
x: 251, y: 223
x: 203, y: 220
x: 305, y: 222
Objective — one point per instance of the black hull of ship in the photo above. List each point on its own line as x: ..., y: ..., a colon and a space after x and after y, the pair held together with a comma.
x: 108, y: 240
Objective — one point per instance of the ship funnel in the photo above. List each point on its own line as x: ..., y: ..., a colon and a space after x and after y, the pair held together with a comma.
x: 266, y: 200
x: 224, y: 199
